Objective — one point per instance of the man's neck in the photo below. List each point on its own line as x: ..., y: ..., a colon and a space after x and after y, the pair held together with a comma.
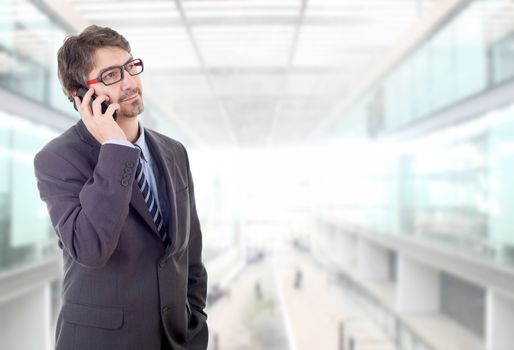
x: 130, y: 127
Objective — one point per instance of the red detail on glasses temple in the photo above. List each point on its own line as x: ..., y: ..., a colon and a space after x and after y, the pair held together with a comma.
x: 92, y: 81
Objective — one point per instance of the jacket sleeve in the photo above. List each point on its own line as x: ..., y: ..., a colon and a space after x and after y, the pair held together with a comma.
x: 88, y: 213
x: 197, y: 278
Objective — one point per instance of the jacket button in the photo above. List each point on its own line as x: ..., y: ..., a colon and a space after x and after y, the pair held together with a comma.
x: 129, y: 164
x: 124, y: 182
x: 165, y: 310
x: 162, y: 263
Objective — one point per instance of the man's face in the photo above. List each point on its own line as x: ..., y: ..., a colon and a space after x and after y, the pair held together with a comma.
x: 128, y: 92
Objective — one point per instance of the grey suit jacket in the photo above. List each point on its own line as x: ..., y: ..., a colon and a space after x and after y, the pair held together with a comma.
x: 121, y: 289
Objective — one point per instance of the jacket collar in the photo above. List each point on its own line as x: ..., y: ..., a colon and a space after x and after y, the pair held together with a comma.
x: 85, y: 135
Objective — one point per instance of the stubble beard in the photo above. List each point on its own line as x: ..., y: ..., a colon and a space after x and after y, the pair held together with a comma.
x: 133, y: 110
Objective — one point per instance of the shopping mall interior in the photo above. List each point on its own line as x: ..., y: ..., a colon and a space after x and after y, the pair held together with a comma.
x: 351, y: 160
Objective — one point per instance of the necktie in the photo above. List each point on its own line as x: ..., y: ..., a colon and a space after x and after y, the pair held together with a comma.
x: 151, y: 202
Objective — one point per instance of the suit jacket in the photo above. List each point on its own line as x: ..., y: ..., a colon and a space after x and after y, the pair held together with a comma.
x: 121, y: 289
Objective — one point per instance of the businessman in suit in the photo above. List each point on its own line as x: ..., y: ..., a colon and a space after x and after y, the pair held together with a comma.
x: 121, y: 201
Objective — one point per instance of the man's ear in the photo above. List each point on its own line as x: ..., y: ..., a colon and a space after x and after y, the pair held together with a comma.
x: 73, y: 93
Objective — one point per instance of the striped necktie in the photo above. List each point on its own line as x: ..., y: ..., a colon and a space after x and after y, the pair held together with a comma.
x: 150, y: 200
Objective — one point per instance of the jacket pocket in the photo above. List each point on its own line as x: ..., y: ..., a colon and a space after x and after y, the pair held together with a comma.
x: 93, y: 316
x: 196, y: 321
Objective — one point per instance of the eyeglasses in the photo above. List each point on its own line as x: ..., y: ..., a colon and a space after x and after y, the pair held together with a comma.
x: 115, y: 74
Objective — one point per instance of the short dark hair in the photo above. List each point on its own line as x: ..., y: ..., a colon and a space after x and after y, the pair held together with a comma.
x: 75, y: 58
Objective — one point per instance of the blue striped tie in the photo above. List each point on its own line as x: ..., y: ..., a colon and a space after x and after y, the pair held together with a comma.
x: 151, y: 202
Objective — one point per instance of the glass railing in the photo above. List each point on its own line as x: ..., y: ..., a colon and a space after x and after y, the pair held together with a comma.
x: 401, y: 334
x: 452, y: 188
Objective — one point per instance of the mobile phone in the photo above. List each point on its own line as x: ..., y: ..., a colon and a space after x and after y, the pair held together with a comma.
x: 81, y: 92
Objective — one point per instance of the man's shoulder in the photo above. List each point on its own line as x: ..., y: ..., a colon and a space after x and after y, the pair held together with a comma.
x: 170, y: 143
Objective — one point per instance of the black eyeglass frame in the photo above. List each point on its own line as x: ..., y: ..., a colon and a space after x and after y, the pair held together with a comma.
x: 122, y: 69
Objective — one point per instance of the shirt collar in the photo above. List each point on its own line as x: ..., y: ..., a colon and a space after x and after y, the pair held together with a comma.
x: 140, y: 142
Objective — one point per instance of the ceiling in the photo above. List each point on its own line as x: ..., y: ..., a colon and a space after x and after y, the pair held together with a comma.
x: 254, y: 73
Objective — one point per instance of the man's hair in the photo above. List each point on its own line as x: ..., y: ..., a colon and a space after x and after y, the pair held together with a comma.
x: 75, y: 58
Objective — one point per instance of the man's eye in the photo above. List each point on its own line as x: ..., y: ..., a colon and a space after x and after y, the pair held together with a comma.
x: 111, y: 75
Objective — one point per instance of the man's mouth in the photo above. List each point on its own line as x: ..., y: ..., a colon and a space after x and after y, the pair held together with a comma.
x: 130, y: 97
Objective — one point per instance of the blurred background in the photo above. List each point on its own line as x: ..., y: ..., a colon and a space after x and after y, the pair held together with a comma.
x: 353, y: 164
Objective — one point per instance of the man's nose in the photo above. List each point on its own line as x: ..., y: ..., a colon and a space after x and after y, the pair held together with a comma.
x: 128, y: 81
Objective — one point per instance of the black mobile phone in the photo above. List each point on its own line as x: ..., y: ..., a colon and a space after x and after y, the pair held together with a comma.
x: 81, y: 92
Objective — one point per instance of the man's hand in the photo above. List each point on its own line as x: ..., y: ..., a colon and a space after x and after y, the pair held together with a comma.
x: 103, y: 127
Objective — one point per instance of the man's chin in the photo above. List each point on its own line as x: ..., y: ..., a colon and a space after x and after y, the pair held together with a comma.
x: 132, y: 111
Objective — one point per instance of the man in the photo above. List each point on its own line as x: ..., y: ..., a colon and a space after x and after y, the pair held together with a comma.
x: 121, y: 200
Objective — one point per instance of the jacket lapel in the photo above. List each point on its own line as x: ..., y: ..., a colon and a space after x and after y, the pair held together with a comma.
x: 166, y: 160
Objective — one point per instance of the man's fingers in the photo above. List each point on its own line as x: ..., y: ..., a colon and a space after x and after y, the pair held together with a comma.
x: 84, y: 106
x: 78, y: 102
x: 112, y: 107
x: 87, y: 96
x: 97, y: 105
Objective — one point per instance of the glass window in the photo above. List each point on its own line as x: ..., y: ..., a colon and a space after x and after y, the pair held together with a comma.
x: 420, y: 82
x: 442, y: 68
x: 470, y: 52
x: 7, y: 9
x: 498, y: 29
x: 26, y: 233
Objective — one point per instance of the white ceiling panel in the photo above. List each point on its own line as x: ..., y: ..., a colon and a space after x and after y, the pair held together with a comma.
x: 252, y: 73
